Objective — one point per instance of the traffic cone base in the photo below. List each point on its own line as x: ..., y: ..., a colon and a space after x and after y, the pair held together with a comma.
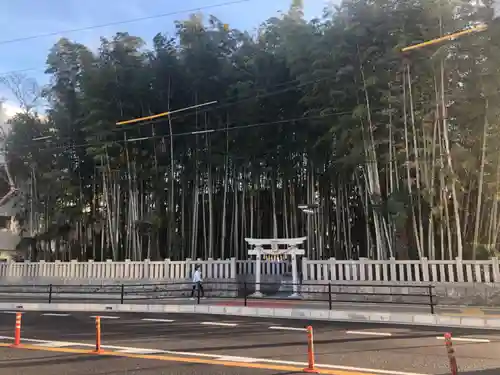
x: 310, y: 371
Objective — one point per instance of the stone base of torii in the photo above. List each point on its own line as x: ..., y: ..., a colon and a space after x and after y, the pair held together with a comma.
x: 276, y: 247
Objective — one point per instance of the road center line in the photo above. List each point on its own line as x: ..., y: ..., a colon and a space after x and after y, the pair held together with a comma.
x: 237, y: 359
x: 287, y: 328
x: 158, y: 320
x: 140, y: 351
x: 105, y: 317
x: 219, y: 324
x: 59, y: 344
x: 55, y: 314
x: 465, y: 339
x: 369, y: 333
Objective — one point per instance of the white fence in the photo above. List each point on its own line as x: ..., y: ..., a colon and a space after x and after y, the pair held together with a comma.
x: 424, y: 270
x: 364, y: 270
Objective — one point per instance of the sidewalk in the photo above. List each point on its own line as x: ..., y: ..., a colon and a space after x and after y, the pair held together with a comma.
x: 460, y: 311
x: 444, y: 317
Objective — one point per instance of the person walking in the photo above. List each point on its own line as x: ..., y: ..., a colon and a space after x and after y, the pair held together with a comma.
x: 197, y: 283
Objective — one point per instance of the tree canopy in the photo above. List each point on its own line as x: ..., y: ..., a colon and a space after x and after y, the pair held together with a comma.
x: 399, y: 153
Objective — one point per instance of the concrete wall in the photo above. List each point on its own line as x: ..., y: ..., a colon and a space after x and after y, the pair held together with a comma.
x: 480, y: 294
x: 144, y: 287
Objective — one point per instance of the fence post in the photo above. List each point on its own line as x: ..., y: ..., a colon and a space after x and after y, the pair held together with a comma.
x: 122, y: 293
x: 424, y: 263
x: 233, y: 268
x: 330, y: 296
x: 187, y: 268
x: 146, y: 272
x: 305, y: 271
x: 496, y: 270
x: 431, y: 299
x: 245, y: 292
x: 333, y: 269
x: 166, y: 268
x: 393, y: 273
x: 460, y: 270
x: 50, y: 293
x: 362, y: 269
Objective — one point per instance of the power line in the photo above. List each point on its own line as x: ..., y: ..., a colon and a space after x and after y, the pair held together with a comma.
x: 86, y: 28
x: 69, y: 31
x: 207, y: 110
x: 225, y: 103
x: 198, y: 132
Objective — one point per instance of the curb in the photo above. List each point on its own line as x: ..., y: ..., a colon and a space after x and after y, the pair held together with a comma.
x: 262, y: 312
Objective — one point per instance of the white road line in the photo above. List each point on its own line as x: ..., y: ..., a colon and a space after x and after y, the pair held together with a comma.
x: 140, y: 351
x: 287, y: 328
x: 237, y: 359
x: 105, y: 317
x: 55, y: 314
x: 466, y: 339
x: 219, y: 356
x: 158, y: 320
x: 12, y: 312
x: 55, y: 344
x: 219, y: 324
x: 369, y: 333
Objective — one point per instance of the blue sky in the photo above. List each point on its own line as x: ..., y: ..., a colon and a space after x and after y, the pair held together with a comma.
x: 24, y: 18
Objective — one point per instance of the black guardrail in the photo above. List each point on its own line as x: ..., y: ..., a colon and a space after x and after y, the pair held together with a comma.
x: 320, y: 294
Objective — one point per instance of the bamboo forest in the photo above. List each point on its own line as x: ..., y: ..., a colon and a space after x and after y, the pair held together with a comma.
x: 398, y: 154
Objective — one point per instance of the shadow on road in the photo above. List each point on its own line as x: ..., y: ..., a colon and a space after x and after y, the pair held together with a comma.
x: 495, y: 371
x: 52, y: 360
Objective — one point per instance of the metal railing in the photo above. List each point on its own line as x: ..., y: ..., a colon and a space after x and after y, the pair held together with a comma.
x: 324, y: 295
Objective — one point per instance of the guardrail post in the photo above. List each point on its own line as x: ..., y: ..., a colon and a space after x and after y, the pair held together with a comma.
x: 310, y: 352
x: 451, y: 354
x: 50, y: 293
x: 98, y: 335
x: 17, y: 331
x: 431, y: 299
x: 245, y: 299
x: 122, y: 293
x: 330, y: 296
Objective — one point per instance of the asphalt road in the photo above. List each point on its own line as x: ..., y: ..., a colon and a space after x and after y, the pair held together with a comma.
x: 206, y: 344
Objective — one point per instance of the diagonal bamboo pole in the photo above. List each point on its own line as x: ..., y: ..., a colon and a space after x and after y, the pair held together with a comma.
x: 458, y: 34
x: 145, y: 118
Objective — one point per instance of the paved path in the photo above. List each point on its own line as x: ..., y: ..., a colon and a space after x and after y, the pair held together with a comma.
x: 207, y: 344
x: 493, y: 312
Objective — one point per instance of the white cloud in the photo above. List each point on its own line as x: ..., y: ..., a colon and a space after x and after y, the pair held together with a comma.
x: 7, y: 111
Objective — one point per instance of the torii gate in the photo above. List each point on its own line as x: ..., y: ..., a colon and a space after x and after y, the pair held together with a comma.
x: 261, y: 247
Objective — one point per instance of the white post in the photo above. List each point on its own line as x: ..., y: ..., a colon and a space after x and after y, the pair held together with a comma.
x: 257, y: 274
x: 295, y: 278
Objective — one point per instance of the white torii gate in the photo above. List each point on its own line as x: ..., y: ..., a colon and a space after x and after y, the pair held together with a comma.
x: 261, y: 247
